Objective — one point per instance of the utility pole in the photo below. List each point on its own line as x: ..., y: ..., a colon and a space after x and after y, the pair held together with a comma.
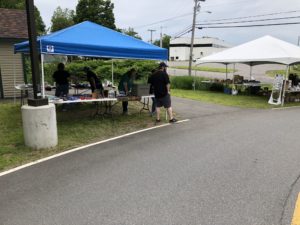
x: 161, y: 36
x: 298, y: 40
x: 196, y: 8
x: 37, y: 101
x: 151, y: 31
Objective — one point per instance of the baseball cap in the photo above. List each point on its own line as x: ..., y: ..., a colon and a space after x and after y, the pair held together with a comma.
x: 162, y: 64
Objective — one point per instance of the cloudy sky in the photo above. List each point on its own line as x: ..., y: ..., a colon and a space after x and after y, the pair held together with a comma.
x: 142, y: 14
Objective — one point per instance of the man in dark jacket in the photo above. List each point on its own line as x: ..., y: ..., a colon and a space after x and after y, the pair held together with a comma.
x: 61, y: 78
x: 161, y: 85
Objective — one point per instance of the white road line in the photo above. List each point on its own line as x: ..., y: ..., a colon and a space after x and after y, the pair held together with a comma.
x: 83, y: 147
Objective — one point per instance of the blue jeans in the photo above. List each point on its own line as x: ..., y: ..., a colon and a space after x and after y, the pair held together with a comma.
x: 62, y: 90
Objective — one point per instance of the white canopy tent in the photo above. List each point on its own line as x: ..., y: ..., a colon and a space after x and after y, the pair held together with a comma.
x: 264, y: 50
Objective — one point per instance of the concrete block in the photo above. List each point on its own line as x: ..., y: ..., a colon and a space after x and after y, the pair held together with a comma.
x: 40, y: 126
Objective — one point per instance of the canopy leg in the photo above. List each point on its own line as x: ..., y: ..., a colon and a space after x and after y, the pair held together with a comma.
x: 284, y: 84
x: 112, y: 72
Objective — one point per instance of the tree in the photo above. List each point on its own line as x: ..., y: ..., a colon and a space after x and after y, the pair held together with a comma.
x: 97, y: 11
x: 165, y: 41
x: 131, y: 32
x: 62, y: 19
x: 20, y: 4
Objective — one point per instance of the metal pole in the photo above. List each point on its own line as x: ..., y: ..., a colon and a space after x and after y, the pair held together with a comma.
x: 284, y: 83
x: 226, y: 71
x: 37, y: 101
x: 195, y: 80
x: 161, y: 36
x: 196, y: 8
x: 112, y: 72
x: 43, y: 74
x: 151, y: 31
x: 298, y: 40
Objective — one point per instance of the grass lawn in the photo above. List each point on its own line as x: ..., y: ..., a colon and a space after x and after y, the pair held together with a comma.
x: 203, y: 68
x: 242, y: 101
x: 76, y: 127
x: 272, y: 73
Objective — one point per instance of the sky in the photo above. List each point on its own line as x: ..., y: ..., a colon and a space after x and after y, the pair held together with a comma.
x: 141, y: 14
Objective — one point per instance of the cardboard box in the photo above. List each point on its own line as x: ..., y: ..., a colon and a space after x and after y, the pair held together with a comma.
x: 140, y: 90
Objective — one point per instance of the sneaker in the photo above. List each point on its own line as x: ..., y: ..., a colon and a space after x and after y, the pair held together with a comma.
x: 173, y: 120
x: 157, y: 121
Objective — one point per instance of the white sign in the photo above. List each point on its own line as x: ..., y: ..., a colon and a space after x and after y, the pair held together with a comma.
x: 50, y: 48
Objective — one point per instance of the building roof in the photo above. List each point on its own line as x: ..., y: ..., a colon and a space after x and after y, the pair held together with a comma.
x: 202, y: 40
x: 13, y: 24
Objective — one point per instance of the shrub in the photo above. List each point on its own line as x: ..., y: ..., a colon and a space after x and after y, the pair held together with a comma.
x: 103, y: 68
x: 187, y: 83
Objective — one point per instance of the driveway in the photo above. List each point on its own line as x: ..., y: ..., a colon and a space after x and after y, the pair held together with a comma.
x: 225, y: 166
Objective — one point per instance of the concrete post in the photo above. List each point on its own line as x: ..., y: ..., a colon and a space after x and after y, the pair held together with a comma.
x: 39, y: 126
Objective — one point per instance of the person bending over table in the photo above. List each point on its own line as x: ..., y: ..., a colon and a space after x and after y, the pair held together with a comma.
x: 125, y: 86
x: 95, y: 83
x: 61, y: 78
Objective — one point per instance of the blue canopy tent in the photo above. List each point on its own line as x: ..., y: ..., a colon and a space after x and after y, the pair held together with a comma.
x: 93, y: 40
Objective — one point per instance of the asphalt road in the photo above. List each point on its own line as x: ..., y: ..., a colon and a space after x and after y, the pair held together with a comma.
x: 226, y: 166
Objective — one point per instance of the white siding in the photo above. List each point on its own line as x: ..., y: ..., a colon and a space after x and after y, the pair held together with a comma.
x: 181, y: 53
x: 11, y: 67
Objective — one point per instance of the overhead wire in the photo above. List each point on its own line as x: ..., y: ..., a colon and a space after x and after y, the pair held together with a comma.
x: 251, y: 25
x: 165, y: 20
x: 189, y: 28
x: 254, y: 16
x: 250, y: 21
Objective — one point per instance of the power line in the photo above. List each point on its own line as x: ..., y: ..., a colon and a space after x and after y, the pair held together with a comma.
x: 179, y: 34
x: 183, y: 33
x: 250, y: 21
x: 252, y: 25
x: 165, y: 20
x: 229, y: 3
x: 188, y: 29
x: 247, y: 17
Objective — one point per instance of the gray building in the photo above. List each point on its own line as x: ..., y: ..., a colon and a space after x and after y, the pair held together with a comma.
x: 13, y: 29
x: 180, y: 47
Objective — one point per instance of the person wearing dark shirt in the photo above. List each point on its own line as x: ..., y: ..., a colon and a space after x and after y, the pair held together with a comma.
x: 95, y: 83
x: 61, y: 78
x: 125, y: 86
x: 161, y: 85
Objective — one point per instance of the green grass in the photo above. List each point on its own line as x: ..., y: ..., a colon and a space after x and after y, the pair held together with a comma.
x: 241, y: 101
x: 273, y: 73
x: 207, y: 69
x: 76, y: 127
